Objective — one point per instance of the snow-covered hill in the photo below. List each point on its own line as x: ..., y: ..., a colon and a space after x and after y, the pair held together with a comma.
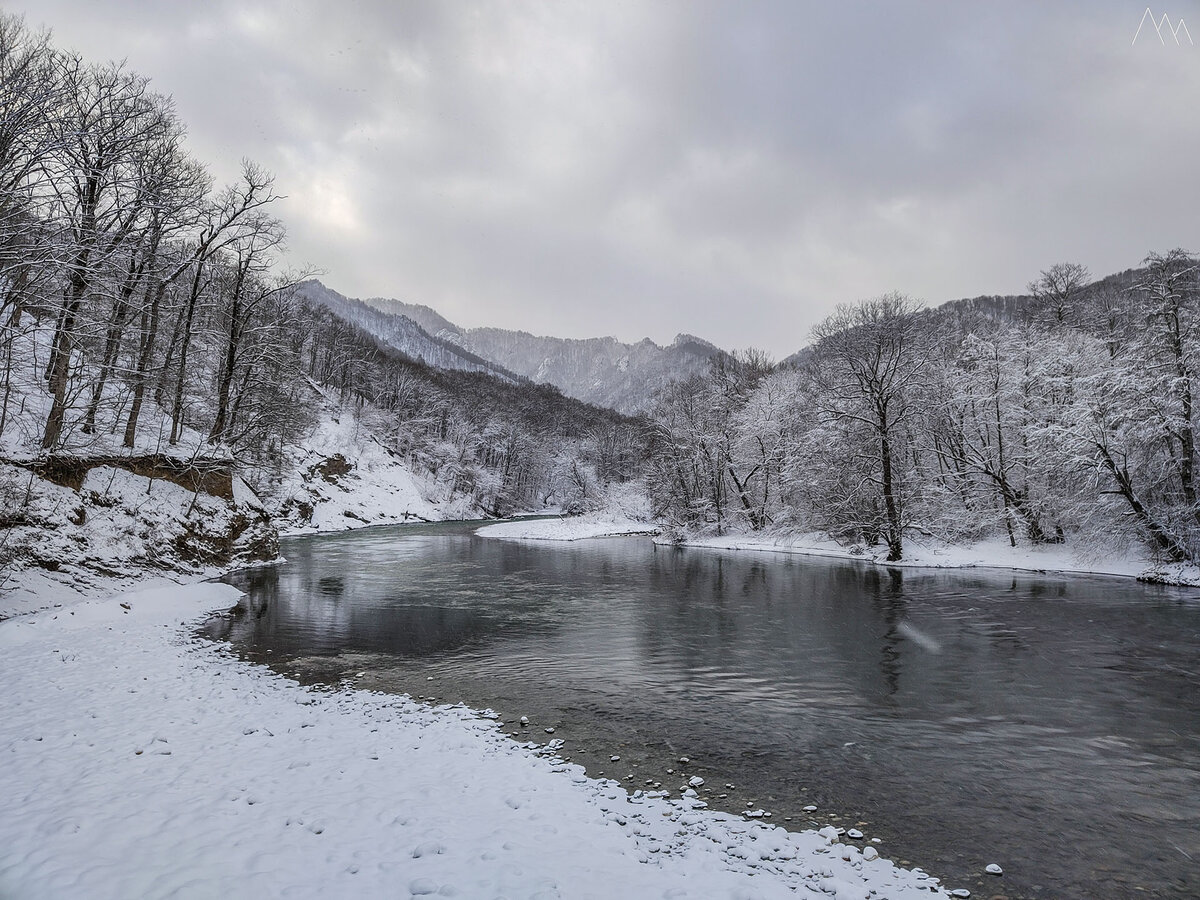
x: 340, y: 477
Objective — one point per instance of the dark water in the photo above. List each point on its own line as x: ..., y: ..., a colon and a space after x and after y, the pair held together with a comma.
x: 1049, y: 724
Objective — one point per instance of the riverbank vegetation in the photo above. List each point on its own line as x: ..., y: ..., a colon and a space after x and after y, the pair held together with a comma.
x: 1066, y: 415
x: 147, y: 320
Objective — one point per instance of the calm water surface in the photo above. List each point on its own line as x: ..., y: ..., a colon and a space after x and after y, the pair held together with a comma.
x: 1049, y: 724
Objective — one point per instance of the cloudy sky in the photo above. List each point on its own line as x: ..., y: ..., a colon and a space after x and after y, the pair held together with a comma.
x: 642, y: 168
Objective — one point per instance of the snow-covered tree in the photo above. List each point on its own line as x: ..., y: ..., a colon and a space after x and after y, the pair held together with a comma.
x: 870, y: 366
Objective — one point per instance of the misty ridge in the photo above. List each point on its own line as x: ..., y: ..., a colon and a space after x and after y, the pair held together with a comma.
x: 147, y: 312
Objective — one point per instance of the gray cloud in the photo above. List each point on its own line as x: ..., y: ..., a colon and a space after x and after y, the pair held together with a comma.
x: 730, y: 169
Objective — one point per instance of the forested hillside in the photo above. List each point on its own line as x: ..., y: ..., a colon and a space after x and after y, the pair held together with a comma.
x: 152, y: 336
x: 1070, y: 415
x: 509, y: 446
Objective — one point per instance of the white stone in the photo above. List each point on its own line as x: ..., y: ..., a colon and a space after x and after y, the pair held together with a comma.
x: 993, y: 869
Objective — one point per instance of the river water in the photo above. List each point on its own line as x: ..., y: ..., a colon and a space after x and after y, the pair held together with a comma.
x: 1048, y: 724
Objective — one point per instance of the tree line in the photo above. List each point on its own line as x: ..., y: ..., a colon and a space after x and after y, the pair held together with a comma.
x: 1069, y: 415
x: 126, y: 273
x: 143, y: 307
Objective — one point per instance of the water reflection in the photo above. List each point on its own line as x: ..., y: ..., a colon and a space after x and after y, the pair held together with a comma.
x: 1052, y: 722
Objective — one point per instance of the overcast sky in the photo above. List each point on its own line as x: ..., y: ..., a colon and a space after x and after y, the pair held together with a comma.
x: 733, y: 169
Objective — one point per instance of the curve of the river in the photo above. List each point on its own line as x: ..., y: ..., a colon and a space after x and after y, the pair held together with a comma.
x: 1050, y: 724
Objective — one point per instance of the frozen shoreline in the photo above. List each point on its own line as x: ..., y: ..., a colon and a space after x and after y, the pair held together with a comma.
x: 143, y: 761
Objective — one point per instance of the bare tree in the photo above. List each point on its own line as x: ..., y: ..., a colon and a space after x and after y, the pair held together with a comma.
x: 1056, y: 294
x: 226, y: 220
x: 1171, y: 290
x: 869, y: 363
x: 176, y: 211
x: 111, y: 119
x: 31, y: 99
x: 994, y: 402
x: 170, y: 184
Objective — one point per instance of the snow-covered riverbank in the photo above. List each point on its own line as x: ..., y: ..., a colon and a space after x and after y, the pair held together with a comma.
x: 571, y: 528
x: 142, y: 761
x: 993, y: 554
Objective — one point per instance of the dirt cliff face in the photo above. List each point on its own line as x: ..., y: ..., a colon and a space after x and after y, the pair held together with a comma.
x: 126, y: 515
x: 213, y: 476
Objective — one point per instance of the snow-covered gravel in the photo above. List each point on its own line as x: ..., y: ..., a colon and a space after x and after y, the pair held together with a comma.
x: 139, y: 761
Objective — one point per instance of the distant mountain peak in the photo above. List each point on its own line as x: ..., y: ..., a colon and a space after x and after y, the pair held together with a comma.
x: 695, y: 346
x: 393, y: 325
x: 684, y: 340
x: 600, y: 370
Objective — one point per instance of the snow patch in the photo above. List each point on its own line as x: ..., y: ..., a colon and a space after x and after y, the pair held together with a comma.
x: 571, y: 528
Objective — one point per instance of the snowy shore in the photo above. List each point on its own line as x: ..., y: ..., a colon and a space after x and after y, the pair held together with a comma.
x: 993, y: 554
x: 573, y: 528
x: 141, y: 761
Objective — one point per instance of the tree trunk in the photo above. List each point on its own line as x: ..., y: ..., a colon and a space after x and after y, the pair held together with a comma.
x: 230, y: 359
x: 60, y: 356
x: 145, y: 355
x: 185, y: 340
x: 894, y: 538
x: 1187, y: 438
x: 112, y: 341
x: 1161, y: 537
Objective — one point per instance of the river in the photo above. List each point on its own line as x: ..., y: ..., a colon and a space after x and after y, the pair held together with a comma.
x: 1049, y: 724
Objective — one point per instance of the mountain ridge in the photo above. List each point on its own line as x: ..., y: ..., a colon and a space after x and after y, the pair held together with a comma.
x: 599, y: 370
